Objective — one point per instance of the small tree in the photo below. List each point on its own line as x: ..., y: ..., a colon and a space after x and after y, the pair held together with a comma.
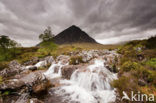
x: 47, y: 35
x: 7, y: 45
x: 4, y: 41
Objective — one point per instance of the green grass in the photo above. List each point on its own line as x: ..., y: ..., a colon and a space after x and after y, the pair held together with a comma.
x: 152, y: 63
x: 90, y: 46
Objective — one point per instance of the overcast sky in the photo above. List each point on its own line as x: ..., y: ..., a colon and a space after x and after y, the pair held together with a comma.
x: 107, y: 21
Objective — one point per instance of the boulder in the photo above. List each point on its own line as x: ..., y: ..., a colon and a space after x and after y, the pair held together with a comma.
x: 68, y: 70
x: 13, y: 68
x: 26, y: 80
x: 41, y: 86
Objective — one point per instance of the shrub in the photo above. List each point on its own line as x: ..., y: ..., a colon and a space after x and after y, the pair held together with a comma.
x: 145, y: 74
x: 129, y: 65
x: 141, y: 73
x: 49, y: 45
x: 126, y: 84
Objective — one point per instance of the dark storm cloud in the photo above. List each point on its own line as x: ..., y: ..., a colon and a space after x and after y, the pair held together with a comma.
x: 108, y: 21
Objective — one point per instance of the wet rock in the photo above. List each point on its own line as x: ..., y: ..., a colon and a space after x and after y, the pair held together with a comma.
x: 112, y: 68
x: 45, y: 62
x: 68, y: 70
x: 41, y: 86
x: 41, y: 64
x: 54, y: 98
x: 56, y: 69
x: 31, y: 67
x: 55, y: 82
x: 35, y: 100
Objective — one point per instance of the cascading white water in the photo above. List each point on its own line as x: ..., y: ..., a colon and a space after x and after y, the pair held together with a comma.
x: 50, y: 73
x: 89, y: 85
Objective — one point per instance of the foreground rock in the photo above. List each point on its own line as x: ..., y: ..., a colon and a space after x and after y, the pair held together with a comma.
x: 28, y: 80
x: 13, y: 69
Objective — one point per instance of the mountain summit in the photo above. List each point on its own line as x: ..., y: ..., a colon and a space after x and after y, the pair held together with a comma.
x: 73, y: 34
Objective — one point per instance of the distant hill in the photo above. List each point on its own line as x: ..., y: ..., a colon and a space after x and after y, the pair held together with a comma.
x: 73, y: 34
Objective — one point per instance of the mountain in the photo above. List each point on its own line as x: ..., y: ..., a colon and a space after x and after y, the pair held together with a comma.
x: 73, y: 34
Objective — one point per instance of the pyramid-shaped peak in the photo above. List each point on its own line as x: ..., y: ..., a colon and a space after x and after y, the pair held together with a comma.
x: 73, y: 34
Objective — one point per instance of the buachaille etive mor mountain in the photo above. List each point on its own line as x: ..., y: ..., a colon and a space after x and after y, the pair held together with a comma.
x: 73, y: 34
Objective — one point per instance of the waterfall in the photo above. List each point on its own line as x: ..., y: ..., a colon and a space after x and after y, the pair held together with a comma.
x: 89, y: 85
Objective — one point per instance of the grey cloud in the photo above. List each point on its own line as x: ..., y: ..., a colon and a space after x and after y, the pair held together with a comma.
x: 102, y: 19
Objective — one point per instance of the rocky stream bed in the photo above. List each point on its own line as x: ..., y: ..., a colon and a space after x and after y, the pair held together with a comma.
x: 87, y: 81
